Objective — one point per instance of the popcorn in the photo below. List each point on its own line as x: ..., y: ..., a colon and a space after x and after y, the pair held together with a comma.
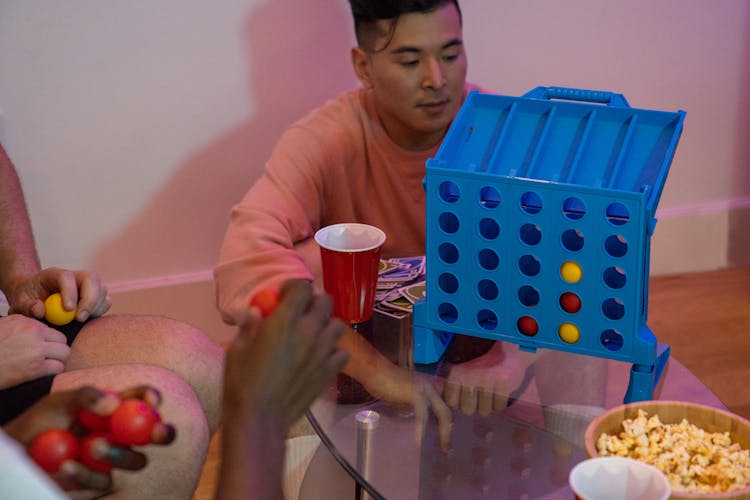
x: 693, y: 460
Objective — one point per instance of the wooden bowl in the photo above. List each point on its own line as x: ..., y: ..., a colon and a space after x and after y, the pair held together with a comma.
x: 671, y: 412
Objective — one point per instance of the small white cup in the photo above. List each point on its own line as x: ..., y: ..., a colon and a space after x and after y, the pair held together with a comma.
x: 618, y: 478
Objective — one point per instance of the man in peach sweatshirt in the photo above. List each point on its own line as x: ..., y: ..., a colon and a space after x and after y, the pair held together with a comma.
x: 359, y: 158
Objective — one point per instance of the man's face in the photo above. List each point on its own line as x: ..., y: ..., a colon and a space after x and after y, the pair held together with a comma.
x: 417, y: 76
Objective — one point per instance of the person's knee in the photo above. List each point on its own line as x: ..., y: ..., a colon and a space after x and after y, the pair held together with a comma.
x: 173, y: 469
x: 156, y: 340
x: 146, y: 339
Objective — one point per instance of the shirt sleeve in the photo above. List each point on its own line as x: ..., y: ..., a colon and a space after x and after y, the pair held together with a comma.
x: 276, y: 217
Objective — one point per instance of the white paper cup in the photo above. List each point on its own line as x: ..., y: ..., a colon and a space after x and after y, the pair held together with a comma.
x: 618, y: 478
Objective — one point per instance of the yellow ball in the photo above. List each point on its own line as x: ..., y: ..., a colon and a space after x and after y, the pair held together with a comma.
x: 55, y: 313
x: 571, y: 272
x: 569, y: 333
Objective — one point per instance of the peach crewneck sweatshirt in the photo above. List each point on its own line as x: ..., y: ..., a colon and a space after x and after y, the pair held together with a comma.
x: 335, y: 165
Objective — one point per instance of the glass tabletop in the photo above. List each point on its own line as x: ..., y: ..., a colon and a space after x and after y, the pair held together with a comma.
x: 524, y: 451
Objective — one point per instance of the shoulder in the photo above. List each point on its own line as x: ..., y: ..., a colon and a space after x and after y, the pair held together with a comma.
x: 339, y: 113
x: 332, y: 127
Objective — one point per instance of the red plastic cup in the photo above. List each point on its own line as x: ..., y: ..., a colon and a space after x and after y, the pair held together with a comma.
x: 350, y: 256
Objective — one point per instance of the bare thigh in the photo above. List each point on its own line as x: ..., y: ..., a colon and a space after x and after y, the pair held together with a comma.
x: 155, y: 340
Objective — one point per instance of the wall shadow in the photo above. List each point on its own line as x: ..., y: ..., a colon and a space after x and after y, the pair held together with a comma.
x: 297, y: 57
x: 738, y: 248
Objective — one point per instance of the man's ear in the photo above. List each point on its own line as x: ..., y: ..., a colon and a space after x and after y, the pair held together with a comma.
x: 360, y: 63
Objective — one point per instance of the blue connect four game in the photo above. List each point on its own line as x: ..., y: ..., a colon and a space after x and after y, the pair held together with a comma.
x: 540, y: 211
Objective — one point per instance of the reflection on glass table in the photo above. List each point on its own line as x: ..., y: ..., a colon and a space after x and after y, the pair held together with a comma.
x: 523, y: 451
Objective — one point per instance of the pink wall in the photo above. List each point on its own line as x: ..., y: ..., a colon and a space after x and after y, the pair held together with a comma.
x: 181, y: 227
x: 136, y: 127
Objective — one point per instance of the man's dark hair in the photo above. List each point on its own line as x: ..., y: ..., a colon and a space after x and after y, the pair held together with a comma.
x: 367, y: 13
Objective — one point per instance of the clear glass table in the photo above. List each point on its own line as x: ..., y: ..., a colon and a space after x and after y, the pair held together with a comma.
x: 524, y: 451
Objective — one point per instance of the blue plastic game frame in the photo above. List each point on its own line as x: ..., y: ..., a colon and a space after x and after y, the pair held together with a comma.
x: 540, y: 211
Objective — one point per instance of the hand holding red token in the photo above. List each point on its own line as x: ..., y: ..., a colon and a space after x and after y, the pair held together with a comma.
x: 266, y: 300
x: 102, y: 426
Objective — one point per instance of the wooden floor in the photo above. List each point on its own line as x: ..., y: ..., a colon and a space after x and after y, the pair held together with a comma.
x: 704, y: 317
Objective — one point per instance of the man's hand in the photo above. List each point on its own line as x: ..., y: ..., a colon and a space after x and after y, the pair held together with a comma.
x: 398, y: 385
x: 81, y: 289
x: 28, y: 350
x: 274, y: 370
x: 58, y: 410
x: 484, y: 384
x: 279, y: 365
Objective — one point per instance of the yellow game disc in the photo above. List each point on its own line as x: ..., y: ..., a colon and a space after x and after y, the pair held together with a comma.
x: 571, y: 272
x: 55, y: 313
x: 569, y: 333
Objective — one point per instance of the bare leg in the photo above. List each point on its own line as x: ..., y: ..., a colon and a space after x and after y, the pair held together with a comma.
x: 155, y: 340
x: 172, y: 471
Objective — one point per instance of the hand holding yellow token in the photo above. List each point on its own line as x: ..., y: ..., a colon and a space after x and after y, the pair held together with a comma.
x: 55, y: 313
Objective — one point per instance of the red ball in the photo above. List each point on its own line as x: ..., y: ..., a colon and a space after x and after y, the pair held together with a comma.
x: 528, y: 326
x: 570, y: 302
x: 131, y: 423
x: 93, y: 421
x: 87, y: 459
x: 266, y: 300
x: 52, y: 447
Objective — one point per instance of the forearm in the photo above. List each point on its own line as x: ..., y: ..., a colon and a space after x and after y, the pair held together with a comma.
x: 252, y: 458
x: 368, y: 366
x: 18, y: 257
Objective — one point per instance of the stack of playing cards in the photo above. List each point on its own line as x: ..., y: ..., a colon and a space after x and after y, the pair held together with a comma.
x: 401, y: 282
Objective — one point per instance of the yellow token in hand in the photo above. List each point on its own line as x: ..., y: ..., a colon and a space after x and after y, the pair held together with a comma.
x: 55, y: 313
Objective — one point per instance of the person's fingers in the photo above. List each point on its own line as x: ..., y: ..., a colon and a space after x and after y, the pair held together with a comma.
x: 74, y: 475
x: 51, y: 367
x: 452, y: 393
x: 95, y: 399
x: 248, y: 319
x: 444, y: 417
x: 295, y: 298
x: 56, y: 351
x: 101, y: 401
x: 468, y: 401
x: 420, y: 414
x: 317, y: 365
x: 163, y: 433
x: 35, y: 308
x: 55, y: 279
x: 52, y: 335
x: 330, y: 334
x: 27, y: 305
x: 337, y: 361
x: 150, y: 395
x: 118, y: 456
x: 105, y: 302
x: 90, y: 292
x: 500, y: 401
x: 55, y: 410
x: 321, y: 306
x: 486, y: 401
